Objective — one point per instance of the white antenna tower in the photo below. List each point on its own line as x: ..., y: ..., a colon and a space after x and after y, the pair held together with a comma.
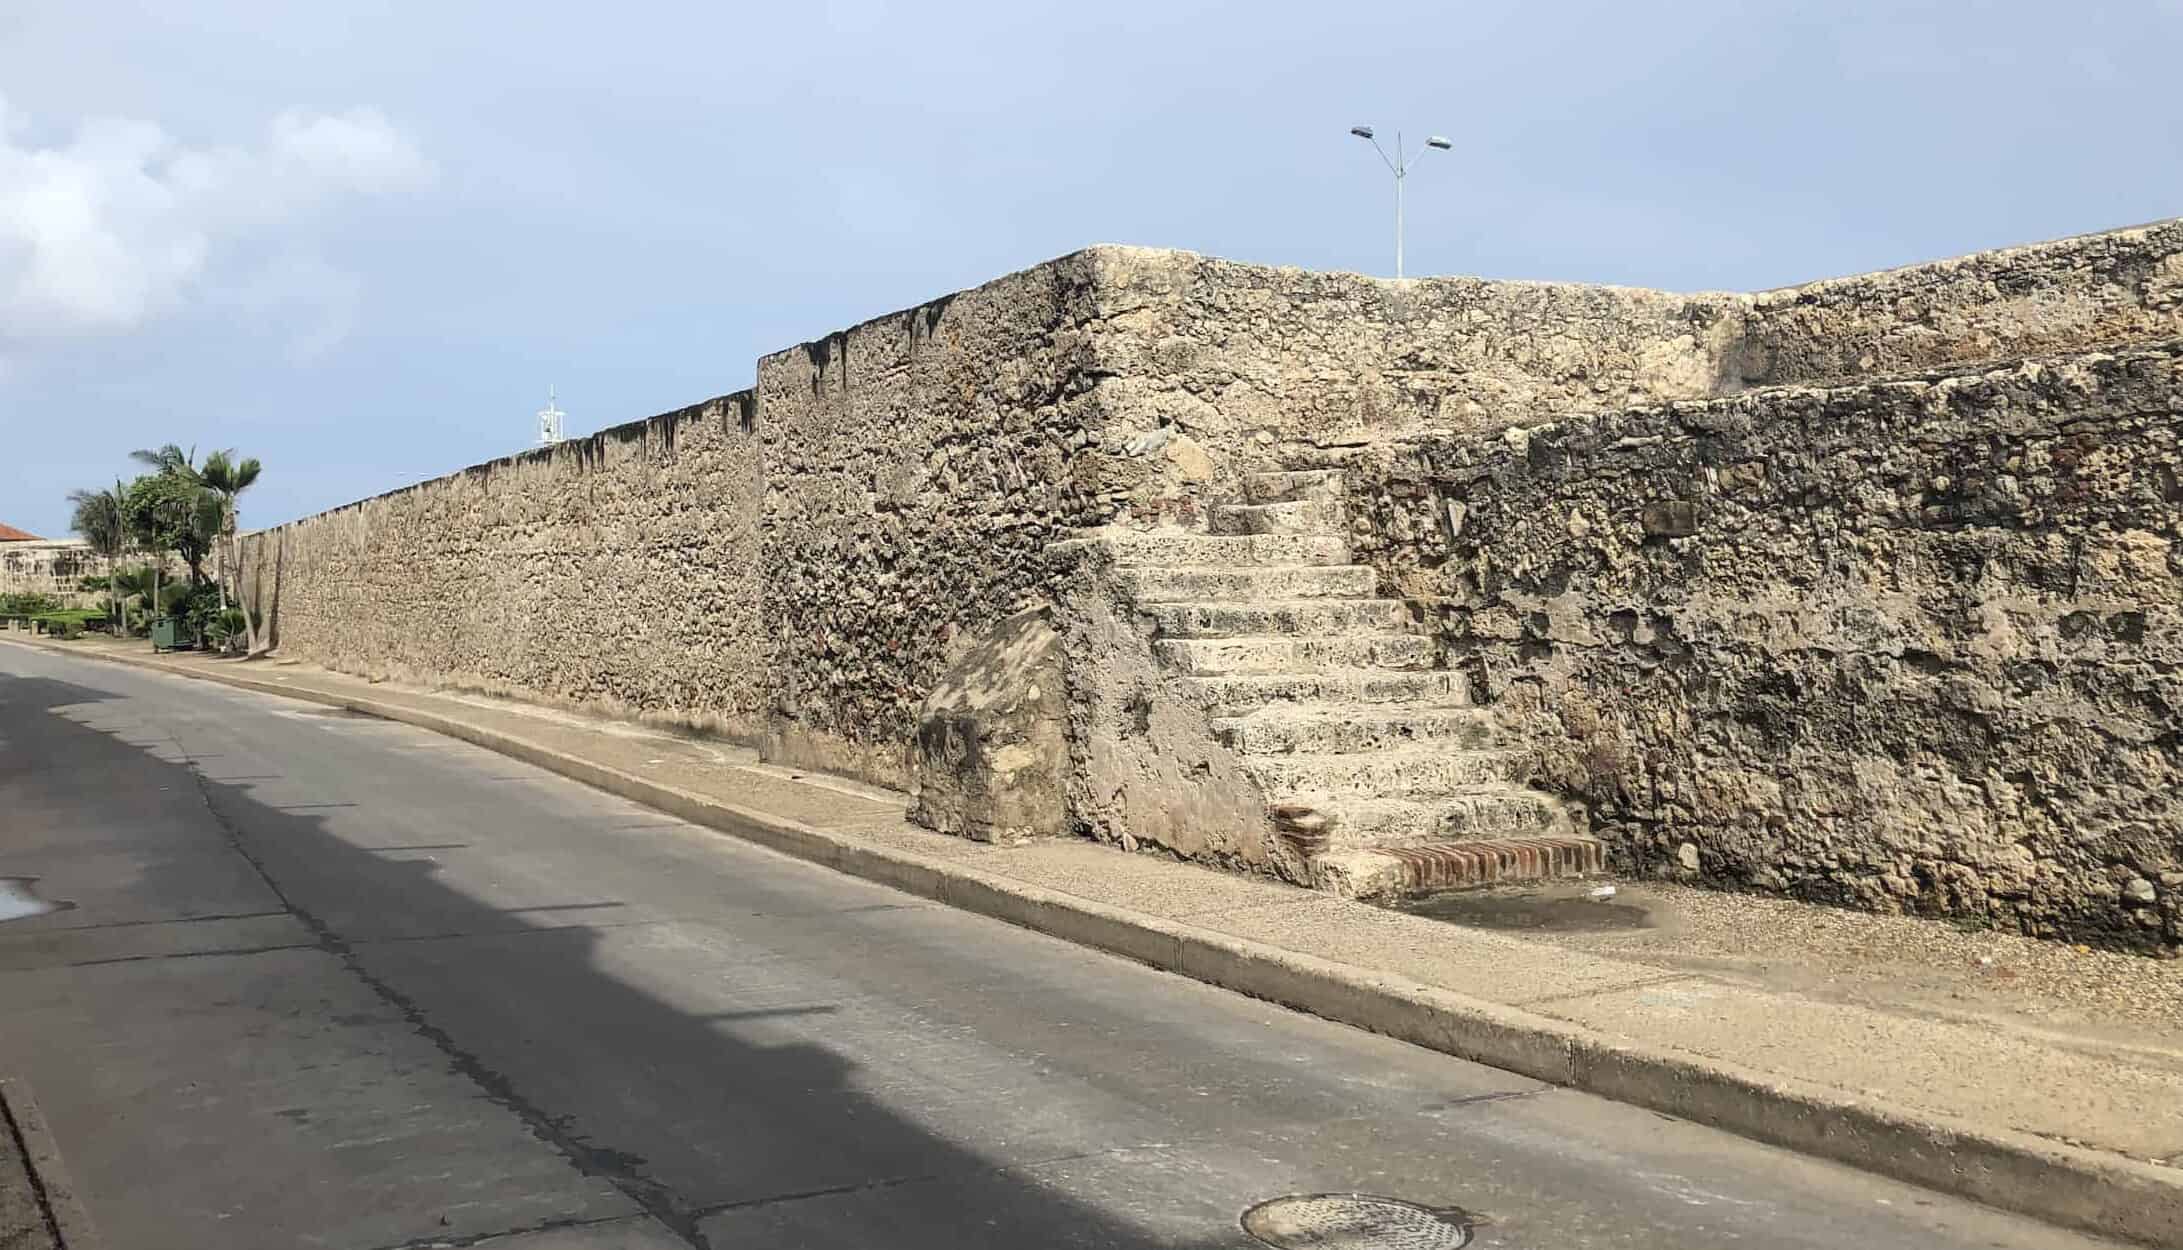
x: 549, y: 422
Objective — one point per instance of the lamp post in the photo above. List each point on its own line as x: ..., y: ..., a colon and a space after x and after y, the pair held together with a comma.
x: 549, y: 422
x: 1399, y: 165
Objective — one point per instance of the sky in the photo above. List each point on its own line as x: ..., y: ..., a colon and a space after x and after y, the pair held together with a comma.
x: 359, y: 241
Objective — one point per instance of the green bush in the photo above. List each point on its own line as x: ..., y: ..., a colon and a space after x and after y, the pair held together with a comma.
x: 226, y: 629
x: 65, y: 624
x: 199, y: 608
x: 28, y: 605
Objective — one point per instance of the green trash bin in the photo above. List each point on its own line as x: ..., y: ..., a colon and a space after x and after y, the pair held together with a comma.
x: 169, y: 633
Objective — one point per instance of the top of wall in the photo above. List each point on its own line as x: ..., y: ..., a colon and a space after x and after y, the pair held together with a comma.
x: 1211, y: 343
x: 2084, y: 293
x: 587, y: 449
x: 2157, y: 236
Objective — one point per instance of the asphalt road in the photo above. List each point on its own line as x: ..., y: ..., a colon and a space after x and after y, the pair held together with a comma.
x: 336, y: 982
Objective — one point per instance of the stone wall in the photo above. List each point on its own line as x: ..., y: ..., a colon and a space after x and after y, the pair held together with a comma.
x: 1145, y: 768
x: 54, y: 567
x: 1287, y: 364
x: 916, y: 467
x: 619, y: 571
x: 1832, y: 683
x: 798, y: 565
x: 2091, y: 291
x: 1903, y: 645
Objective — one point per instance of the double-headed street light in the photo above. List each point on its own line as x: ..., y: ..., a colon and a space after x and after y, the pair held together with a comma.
x: 1400, y: 165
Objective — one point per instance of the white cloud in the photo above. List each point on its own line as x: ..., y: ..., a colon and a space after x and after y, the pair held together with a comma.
x: 358, y: 150
x: 121, y: 223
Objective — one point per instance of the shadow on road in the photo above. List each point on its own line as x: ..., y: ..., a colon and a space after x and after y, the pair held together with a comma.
x: 811, y: 1160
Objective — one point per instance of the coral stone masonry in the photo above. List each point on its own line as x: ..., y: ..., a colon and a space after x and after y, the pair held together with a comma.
x: 1864, y: 591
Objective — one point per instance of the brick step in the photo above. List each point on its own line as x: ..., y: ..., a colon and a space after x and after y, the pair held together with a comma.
x: 1289, y: 486
x: 1178, y: 546
x: 1293, y: 655
x: 1324, y: 729
x: 1242, y: 694
x: 1296, y: 516
x: 1410, y: 773
x: 1154, y: 584
x: 1501, y: 811
x: 1395, y: 872
x: 1279, y: 616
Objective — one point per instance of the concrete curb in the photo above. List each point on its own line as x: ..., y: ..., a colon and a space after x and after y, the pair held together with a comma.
x: 55, y: 1191
x: 2015, y: 1171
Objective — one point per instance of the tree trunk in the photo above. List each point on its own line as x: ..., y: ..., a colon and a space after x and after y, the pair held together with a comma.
x: 113, y: 597
x: 242, y: 601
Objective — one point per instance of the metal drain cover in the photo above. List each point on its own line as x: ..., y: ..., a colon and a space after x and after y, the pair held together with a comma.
x: 1356, y: 1222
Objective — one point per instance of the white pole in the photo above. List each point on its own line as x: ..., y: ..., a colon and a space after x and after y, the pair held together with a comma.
x: 1401, y: 167
x: 1398, y: 225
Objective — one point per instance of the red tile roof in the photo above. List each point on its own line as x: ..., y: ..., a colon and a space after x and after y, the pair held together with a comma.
x: 10, y: 534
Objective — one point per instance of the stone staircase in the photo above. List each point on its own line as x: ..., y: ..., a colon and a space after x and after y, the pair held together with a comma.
x: 1381, y: 775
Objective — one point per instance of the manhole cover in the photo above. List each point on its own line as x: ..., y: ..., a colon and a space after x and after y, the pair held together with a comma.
x: 1356, y: 1222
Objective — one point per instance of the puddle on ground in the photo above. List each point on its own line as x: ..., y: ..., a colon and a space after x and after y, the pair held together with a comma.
x: 19, y: 900
x: 1557, y: 910
x: 325, y: 712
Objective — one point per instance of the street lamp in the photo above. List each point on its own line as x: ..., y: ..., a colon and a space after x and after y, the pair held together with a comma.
x: 1400, y: 165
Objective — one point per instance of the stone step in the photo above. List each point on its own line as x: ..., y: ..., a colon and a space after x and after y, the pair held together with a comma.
x: 1153, y: 584
x: 1279, y: 616
x: 1178, y: 546
x: 1410, y: 773
x: 1241, y: 694
x: 1393, y: 872
x: 1293, y: 485
x: 1293, y: 655
x: 1298, y: 516
x: 1333, y: 729
x: 1488, y: 812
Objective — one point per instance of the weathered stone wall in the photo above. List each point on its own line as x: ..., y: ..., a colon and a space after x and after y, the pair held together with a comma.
x: 1285, y: 364
x: 619, y: 571
x: 1902, y: 645
x: 54, y: 567
x: 2087, y: 292
x: 799, y: 565
x: 1145, y: 768
x: 916, y: 467
x: 803, y: 564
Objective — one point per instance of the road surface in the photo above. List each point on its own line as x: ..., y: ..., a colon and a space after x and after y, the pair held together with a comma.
x: 330, y: 981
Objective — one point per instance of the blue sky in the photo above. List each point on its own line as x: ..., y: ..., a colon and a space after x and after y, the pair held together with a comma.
x: 358, y: 241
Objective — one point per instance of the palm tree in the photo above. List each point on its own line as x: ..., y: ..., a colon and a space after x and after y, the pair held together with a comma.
x: 138, y: 583
x: 226, y: 478
x: 168, y: 459
x: 101, y: 517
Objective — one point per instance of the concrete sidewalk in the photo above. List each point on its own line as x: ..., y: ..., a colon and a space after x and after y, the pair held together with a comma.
x: 2059, y: 1115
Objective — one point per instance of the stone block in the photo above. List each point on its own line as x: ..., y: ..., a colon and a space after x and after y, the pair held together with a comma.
x: 990, y: 751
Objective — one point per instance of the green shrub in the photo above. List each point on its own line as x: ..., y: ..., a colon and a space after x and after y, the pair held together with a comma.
x: 225, y: 629
x: 66, y: 624
x: 28, y: 605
